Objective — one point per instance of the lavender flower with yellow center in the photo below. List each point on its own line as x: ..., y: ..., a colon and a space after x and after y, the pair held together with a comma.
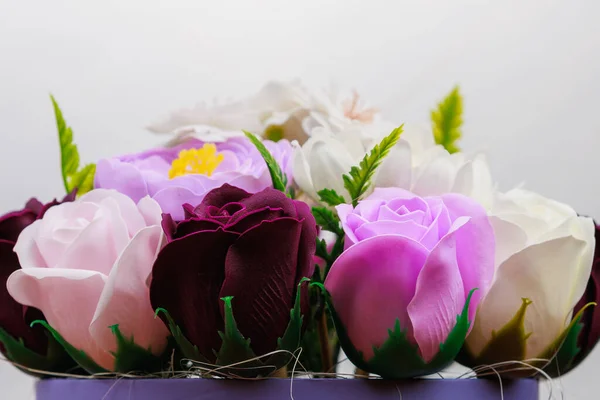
x: 185, y: 173
x: 196, y: 161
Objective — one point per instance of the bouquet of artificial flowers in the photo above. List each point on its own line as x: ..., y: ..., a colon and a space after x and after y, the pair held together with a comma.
x: 283, y: 229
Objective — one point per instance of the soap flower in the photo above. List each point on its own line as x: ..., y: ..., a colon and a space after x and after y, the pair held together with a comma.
x: 279, y: 110
x: 408, y: 270
x: 254, y: 247
x: 544, y: 259
x: 15, y: 318
x: 415, y: 164
x: 185, y: 173
x: 86, y: 265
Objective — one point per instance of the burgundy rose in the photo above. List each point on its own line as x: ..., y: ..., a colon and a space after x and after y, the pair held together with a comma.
x: 254, y: 247
x: 14, y: 317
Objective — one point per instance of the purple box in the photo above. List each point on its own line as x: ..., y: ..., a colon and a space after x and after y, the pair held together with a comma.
x: 271, y: 389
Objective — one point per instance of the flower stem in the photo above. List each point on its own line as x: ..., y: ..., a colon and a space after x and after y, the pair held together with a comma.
x: 326, y: 362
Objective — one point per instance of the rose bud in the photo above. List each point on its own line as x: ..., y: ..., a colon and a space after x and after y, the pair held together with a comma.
x: 86, y: 266
x: 406, y: 288
x: 19, y: 342
x: 544, y: 254
x: 255, y: 248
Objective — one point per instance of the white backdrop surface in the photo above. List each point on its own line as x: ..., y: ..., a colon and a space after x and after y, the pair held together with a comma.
x: 529, y: 71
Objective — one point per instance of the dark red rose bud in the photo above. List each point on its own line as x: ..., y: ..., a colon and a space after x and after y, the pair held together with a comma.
x: 254, y: 247
x: 14, y: 317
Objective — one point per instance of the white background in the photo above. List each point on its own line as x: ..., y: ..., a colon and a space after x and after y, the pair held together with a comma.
x: 529, y: 71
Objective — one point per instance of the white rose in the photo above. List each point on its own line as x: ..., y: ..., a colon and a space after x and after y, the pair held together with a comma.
x: 415, y: 164
x: 544, y: 253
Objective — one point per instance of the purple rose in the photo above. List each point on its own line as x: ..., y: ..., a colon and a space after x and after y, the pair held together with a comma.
x: 185, y: 173
x: 254, y: 247
x: 14, y: 317
x: 410, y: 259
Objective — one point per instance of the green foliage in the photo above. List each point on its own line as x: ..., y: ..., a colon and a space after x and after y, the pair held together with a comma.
x: 235, y: 347
x: 290, y: 341
x: 130, y: 357
x: 447, y: 121
x: 74, y: 177
x: 79, y: 356
x: 398, y: 358
x: 330, y: 197
x: 277, y: 176
x: 327, y: 220
x: 358, y: 180
x: 55, y: 360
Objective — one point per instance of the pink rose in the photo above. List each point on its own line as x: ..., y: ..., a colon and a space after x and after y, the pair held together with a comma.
x: 86, y: 266
x: 412, y: 260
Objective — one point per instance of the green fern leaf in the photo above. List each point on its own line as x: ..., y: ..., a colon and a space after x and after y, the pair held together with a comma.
x: 73, y: 177
x: 358, y: 180
x: 277, y: 176
x: 330, y: 197
x: 447, y: 121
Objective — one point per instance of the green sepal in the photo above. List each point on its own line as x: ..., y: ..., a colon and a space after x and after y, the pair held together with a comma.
x: 510, y: 342
x: 55, y: 360
x: 82, y: 359
x: 397, y: 358
x: 235, y: 348
x: 290, y: 341
x: 187, y: 349
x: 564, y: 349
x: 130, y: 357
x: 278, y: 178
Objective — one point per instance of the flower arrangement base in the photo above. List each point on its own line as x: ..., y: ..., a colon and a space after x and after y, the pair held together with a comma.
x: 271, y: 389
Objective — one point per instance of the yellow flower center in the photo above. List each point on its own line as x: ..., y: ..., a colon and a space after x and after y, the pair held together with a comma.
x: 196, y: 161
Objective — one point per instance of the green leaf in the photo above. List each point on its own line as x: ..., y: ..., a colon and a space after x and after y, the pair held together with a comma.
x: 83, y: 180
x: 321, y: 250
x: 130, y: 357
x: 327, y: 220
x: 55, y: 360
x: 330, y: 197
x: 187, y: 349
x: 359, y: 179
x: 82, y: 359
x: 73, y: 177
x: 447, y: 121
x: 277, y: 176
x: 398, y: 358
